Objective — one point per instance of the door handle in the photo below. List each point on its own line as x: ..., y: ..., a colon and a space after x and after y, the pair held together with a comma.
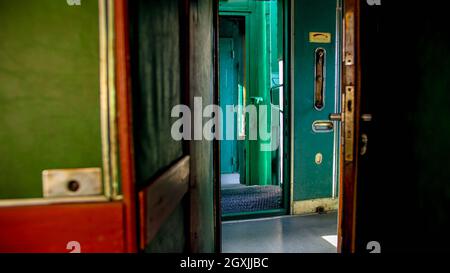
x: 364, y: 142
x: 256, y: 100
x: 336, y: 117
x: 271, y: 95
x: 366, y: 117
x: 319, y: 86
x: 340, y: 117
x: 323, y: 126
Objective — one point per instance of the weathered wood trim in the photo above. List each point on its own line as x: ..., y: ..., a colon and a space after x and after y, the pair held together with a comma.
x: 159, y: 200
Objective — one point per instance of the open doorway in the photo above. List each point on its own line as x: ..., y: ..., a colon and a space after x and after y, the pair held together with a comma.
x: 284, y: 56
x: 251, y: 69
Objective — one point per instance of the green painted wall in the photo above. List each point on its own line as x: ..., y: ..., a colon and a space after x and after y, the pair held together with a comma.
x: 311, y: 180
x: 49, y: 92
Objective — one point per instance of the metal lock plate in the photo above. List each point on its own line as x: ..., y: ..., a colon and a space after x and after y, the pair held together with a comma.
x: 72, y: 182
x: 349, y: 126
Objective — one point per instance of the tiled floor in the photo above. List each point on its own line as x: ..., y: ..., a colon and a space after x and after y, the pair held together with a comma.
x: 290, y: 234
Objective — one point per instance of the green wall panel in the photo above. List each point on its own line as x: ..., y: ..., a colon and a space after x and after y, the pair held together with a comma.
x: 49, y: 91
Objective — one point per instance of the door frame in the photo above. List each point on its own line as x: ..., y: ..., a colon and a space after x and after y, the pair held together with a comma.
x: 286, y: 210
x: 350, y: 76
x: 242, y: 169
x: 351, y: 90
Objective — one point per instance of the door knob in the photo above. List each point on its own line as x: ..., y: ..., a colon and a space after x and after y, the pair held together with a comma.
x: 366, y: 117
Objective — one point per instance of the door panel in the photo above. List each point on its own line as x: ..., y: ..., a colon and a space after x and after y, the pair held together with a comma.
x: 315, y: 98
x: 228, y: 96
x: 49, y: 92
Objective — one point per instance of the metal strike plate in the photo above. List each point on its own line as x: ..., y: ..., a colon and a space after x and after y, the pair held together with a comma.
x: 349, y: 122
x: 72, y: 182
x: 349, y: 38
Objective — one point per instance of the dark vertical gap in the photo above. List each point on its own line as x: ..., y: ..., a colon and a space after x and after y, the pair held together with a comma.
x: 287, y: 111
x: 185, y: 98
x: 216, y: 144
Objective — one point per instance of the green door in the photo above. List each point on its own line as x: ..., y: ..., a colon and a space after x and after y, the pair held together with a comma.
x: 49, y: 93
x: 316, y: 96
x: 228, y: 97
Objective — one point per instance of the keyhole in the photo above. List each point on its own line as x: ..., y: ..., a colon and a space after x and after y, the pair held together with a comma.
x: 73, y: 186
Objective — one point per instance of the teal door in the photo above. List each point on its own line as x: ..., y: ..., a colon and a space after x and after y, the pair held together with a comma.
x: 316, y: 96
x: 228, y: 96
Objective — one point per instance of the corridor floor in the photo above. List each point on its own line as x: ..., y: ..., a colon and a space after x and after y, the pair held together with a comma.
x: 289, y: 234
